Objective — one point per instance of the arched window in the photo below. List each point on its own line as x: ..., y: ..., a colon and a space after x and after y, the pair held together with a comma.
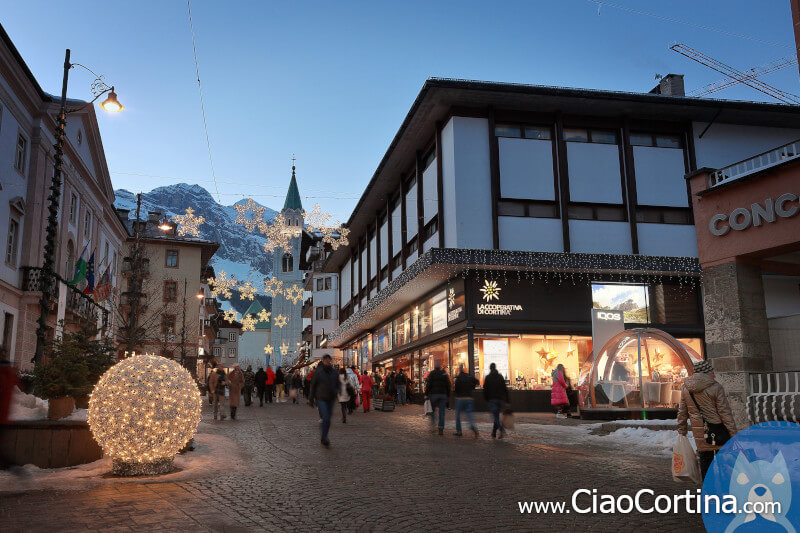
x: 70, y: 261
x: 288, y: 263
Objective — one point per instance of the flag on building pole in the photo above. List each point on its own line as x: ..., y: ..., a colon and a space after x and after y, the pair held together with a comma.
x: 80, y: 269
x: 103, y: 289
x: 89, y: 276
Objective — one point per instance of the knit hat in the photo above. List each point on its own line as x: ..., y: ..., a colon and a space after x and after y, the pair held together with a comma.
x: 703, y: 367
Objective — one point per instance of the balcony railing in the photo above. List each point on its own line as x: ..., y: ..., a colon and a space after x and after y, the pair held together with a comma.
x: 774, y: 396
x: 77, y: 302
x: 768, y: 159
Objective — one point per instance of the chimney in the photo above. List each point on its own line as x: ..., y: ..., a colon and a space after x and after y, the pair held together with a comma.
x: 670, y: 85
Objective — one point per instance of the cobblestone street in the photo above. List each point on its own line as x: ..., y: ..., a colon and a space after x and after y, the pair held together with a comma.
x: 383, y: 472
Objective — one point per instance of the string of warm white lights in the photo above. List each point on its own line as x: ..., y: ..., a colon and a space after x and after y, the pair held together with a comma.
x: 142, y: 412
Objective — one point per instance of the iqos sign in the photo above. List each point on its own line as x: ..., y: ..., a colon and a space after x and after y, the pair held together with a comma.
x: 602, y: 315
x: 741, y: 218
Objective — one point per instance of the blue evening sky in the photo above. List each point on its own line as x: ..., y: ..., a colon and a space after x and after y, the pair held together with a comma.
x: 332, y: 81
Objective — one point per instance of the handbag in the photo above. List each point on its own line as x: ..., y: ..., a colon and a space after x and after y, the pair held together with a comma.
x: 684, y: 461
x: 714, y: 434
x: 507, y: 419
x: 428, y: 408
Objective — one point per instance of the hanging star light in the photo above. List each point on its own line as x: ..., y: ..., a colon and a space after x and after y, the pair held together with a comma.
x: 279, y: 234
x: 273, y: 286
x: 247, y: 291
x: 231, y: 315
x: 335, y: 235
x: 284, y: 348
x: 268, y: 349
x: 142, y: 412
x: 222, y: 285
x: 248, y: 323
x: 316, y: 220
x: 280, y: 321
x: 293, y: 293
x: 263, y: 315
x: 189, y: 224
x: 242, y: 210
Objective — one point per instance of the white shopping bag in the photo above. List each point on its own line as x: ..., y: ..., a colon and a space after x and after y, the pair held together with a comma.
x: 428, y: 408
x: 684, y: 461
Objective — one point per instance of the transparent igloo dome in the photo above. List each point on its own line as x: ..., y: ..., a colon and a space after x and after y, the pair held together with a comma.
x: 638, y: 368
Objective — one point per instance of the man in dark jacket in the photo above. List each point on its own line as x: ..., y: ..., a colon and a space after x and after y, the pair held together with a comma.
x: 249, y: 383
x: 465, y: 384
x: 436, y: 389
x: 496, y: 393
x: 261, y: 385
x: 297, y: 384
x: 400, y: 382
x: 325, y: 391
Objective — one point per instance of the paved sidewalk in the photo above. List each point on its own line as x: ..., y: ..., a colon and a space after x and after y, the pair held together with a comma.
x: 383, y: 472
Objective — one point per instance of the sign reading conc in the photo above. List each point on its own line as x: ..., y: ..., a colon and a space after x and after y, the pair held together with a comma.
x: 741, y: 218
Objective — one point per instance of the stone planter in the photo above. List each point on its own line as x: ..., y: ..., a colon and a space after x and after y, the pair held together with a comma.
x: 60, y: 407
x: 49, y: 444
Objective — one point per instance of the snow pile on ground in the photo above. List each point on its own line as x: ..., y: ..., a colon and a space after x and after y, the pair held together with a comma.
x: 27, y: 407
x: 78, y: 415
x: 212, y: 455
x: 645, y: 438
x: 670, y: 422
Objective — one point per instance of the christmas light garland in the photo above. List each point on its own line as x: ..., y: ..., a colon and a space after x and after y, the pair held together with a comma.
x: 142, y: 412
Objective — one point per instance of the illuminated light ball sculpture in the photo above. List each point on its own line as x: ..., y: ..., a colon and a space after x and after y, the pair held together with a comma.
x: 142, y: 412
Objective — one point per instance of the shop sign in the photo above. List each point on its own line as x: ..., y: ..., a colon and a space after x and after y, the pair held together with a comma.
x: 455, y: 302
x: 742, y: 218
x: 605, y: 324
x: 527, y: 300
x: 490, y: 293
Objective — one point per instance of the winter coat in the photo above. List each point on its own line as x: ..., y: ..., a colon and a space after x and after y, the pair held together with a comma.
x: 215, y: 379
x: 438, y: 382
x: 494, y: 387
x: 465, y: 384
x: 249, y: 378
x: 343, y: 396
x: 236, y: 379
x: 297, y: 381
x: 354, y: 382
x: 270, y: 376
x: 324, y: 384
x: 261, y: 379
x: 279, y: 377
x: 400, y: 379
x: 366, y: 384
x: 558, y: 395
x: 713, y: 402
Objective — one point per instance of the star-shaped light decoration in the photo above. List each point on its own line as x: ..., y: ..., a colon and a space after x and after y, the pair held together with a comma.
x: 316, y: 219
x: 284, y: 348
x: 549, y: 360
x: 248, y: 323
x: 273, y: 287
x: 263, y: 315
x: 451, y: 298
x: 231, y: 315
x: 335, y: 235
x: 247, y: 291
x: 293, y: 293
x: 222, y: 285
x: 279, y: 234
x: 268, y: 349
x: 280, y: 321
x: 242, y: 210
x: 189, y: 224
x: 542, y: 352
x: 490, y: 290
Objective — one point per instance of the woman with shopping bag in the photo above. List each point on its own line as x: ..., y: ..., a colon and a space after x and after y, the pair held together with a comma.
x: 704, y: 405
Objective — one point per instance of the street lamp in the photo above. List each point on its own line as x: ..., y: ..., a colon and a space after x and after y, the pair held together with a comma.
x: 111, y: 104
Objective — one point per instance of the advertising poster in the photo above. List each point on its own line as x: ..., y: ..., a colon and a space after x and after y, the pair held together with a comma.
x: 495, y: 351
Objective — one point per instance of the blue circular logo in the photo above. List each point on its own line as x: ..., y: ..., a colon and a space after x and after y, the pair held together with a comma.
x: 753, y: 484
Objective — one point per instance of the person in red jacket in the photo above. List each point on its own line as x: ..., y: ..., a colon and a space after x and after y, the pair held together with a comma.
x: 558, y: 395
x: 8, y: 380
x: 366, y: 390
x: 270, y: 383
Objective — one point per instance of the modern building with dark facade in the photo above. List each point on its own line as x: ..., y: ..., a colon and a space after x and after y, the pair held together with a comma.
x: 504, y: 219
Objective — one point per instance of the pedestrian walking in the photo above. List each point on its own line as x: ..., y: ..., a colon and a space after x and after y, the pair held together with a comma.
x: 465, y: 384
x: 261, y: 385
x: 401, y: 382
x: 389, y: 385
x: 324, y: 389
x: 366, y: 390
x: 297, y: 386
x: 270, y: 384
x: 558, y: 394
x: 352, y: 379
x: 208, y: 386
x: 236, y: 379
x: 377, y: 381
x: 437, y: 387
x: 346, y: 392
x: 496, y: 393
x: 249, y: 383
x: 704, y: 405
x: 280, y: 385
x: 217, y: 382
x: 307, y: 386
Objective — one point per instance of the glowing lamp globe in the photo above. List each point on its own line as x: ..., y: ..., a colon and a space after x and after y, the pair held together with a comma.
x: 142, y: 412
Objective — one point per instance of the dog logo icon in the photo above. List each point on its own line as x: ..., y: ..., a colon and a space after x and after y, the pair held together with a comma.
x: 762, y: 482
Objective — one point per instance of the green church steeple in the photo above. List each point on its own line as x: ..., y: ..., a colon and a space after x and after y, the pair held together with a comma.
x: 293, y: 195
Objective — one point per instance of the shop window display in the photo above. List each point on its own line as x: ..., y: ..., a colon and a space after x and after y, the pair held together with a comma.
x: 638, y: 368
x: 459, y: 350
x: 527, y: 361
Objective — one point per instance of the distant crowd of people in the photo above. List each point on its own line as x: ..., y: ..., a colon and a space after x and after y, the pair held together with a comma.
x: 267, y: 385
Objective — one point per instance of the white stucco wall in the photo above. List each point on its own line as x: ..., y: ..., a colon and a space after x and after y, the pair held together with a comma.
x: 430, y: 193
x: 725, y: 144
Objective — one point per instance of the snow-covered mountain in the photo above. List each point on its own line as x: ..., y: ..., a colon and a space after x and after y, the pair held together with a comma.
x: 241, y: 253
